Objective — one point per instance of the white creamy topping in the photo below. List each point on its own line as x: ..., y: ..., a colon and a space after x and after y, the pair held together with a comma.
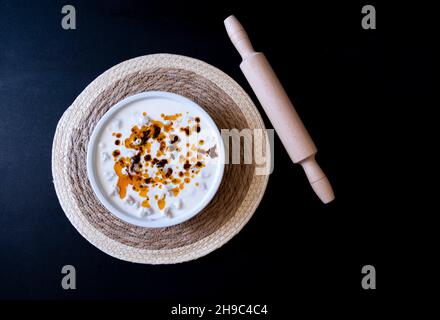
x: 143, y: 113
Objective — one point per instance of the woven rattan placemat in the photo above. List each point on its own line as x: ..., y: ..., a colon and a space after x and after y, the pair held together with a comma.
x: 240, y: 191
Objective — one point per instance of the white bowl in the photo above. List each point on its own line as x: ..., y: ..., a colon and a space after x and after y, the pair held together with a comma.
x: 92, y: 160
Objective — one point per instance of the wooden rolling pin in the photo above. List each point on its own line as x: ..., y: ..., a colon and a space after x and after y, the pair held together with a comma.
x: 279, y: 109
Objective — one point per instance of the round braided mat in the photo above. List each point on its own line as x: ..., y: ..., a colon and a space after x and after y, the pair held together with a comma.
x: 240, y: 191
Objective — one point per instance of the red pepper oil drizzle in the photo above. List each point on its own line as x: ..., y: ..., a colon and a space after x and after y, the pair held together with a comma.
x: 134, y: 171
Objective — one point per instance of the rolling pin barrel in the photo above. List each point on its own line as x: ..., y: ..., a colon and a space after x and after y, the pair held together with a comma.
x: 279, y: 109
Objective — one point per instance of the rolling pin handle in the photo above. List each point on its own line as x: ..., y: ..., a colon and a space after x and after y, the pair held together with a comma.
x: 239, y: 37
x: 318, y: 180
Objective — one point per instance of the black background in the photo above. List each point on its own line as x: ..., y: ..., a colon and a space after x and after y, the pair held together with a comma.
x: 366, y: 96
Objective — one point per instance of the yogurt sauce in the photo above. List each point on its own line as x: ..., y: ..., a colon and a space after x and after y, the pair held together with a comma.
x: 157, y: 159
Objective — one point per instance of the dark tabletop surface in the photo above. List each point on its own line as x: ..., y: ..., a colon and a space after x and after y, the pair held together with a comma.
x: 365, y: 95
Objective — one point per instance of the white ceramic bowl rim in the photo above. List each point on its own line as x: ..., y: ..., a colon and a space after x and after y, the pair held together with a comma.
x: 91, y: 167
